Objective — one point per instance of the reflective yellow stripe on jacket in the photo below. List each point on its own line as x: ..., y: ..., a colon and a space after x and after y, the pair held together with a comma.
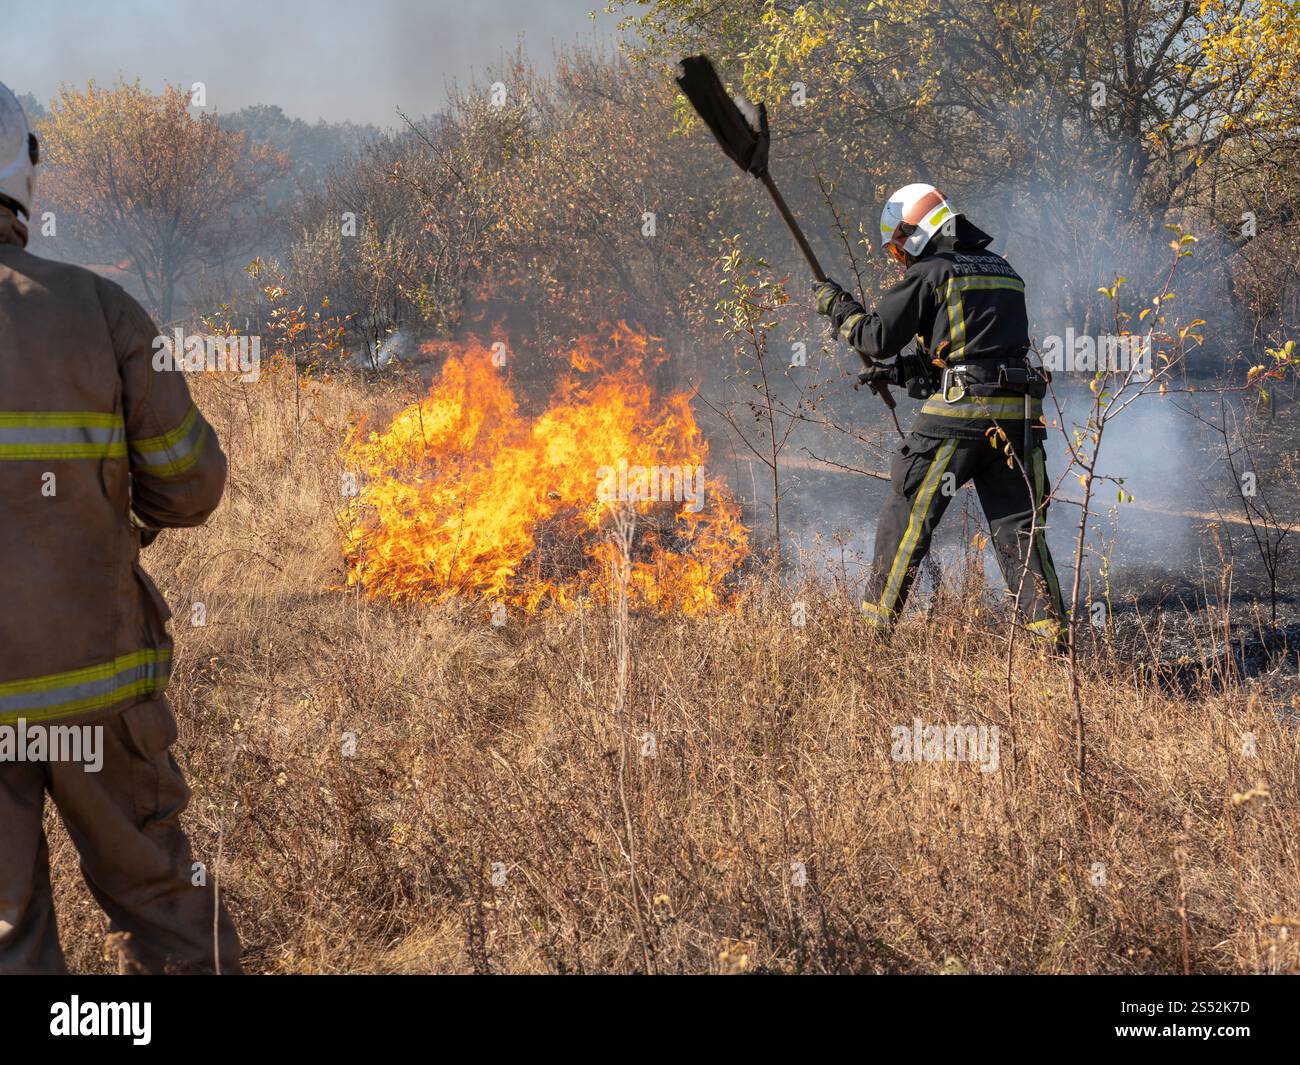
x: 26, y: 435
x: 173, y: 452
x: 983, y: 408
x: 956, y: 316
x: 90, y: 688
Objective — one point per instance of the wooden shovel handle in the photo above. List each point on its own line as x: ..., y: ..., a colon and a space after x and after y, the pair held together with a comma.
x: 882, y: 390
x: 793, y: 226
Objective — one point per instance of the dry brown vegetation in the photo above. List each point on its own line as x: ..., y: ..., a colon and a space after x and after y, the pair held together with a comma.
x: 479, y: 745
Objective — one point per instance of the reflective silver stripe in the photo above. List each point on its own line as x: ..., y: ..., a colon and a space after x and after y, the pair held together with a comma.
x: 173, y: 452
x: 61, y: 694
x: 28, y: 435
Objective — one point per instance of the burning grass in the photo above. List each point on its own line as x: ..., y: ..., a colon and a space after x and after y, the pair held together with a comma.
x: 495, y: 754
x: 464, y: 495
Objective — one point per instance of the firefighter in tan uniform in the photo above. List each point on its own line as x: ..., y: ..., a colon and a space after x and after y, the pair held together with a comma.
x: 964, y: 306
x: 89, y: 433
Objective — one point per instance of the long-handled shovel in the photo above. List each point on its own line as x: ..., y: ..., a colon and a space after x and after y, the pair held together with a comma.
x: 741, y: 129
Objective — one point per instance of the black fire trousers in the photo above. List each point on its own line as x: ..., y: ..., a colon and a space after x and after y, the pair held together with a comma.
x: 924, y: 478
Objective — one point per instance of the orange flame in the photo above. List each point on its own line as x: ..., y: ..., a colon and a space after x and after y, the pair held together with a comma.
x: 464, y: 495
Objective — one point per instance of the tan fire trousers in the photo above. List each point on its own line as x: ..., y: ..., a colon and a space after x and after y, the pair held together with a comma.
x: 124, y: 821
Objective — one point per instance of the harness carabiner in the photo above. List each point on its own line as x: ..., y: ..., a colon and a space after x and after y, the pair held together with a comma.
x: 953, y: 384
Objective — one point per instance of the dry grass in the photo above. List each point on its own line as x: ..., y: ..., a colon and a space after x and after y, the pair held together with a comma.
x: 478, y: 745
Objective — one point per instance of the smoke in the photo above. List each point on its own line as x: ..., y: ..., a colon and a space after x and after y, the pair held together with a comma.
x: 328, y: 59
x: 1068, y: 233
x: 1068, y: 238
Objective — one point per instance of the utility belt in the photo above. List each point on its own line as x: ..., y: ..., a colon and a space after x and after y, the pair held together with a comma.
x: 999, y: 376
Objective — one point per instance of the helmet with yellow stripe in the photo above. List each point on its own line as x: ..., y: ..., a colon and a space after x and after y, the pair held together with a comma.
x: 913, y: 215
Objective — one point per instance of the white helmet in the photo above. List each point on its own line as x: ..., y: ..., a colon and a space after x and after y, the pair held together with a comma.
x: 18, y: 152
x: 911, y: 217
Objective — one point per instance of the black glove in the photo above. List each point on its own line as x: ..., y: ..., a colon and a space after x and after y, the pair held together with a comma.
x: 881, y: 374
x: 899, y: 372
x: 826, y: 293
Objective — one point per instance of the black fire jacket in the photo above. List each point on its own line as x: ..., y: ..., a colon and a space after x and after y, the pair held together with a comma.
x: 960, y: 302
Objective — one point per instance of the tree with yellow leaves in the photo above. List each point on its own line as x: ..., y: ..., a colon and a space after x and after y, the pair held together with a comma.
x: 135, y: 179
x: 1076, y: 130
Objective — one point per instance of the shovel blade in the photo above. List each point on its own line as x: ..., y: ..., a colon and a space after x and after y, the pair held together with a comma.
x: 739, y: 127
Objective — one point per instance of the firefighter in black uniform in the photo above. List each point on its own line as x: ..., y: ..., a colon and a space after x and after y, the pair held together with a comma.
x: 965, y: 307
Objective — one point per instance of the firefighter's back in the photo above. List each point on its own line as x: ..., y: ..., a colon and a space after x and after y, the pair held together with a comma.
x: 92, y: 436
x: 83, y: 627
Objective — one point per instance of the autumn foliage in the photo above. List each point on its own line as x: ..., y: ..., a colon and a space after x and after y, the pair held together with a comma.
x: 142, y: 181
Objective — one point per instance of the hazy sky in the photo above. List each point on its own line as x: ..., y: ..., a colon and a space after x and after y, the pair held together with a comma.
x: 333, y: 59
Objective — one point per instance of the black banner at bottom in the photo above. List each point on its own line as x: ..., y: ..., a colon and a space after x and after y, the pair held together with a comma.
x: 1226, y: 1015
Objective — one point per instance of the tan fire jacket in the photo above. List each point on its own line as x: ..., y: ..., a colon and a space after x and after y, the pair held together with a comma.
x: 89, y: 430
